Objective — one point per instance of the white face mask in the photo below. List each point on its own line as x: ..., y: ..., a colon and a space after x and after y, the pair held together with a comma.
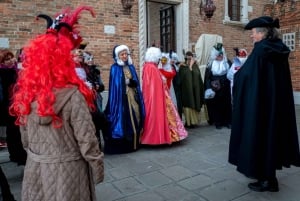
x: 242, y: 59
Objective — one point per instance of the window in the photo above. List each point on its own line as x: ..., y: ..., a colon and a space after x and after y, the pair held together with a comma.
x: 236, y: 12
x: 289, y: 40
x: 167, y: 28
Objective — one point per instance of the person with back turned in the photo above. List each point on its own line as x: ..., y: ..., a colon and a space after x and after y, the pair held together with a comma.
x: 52, y: 107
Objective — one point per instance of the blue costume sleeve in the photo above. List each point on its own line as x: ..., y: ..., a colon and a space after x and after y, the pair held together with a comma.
x: 115, y: 101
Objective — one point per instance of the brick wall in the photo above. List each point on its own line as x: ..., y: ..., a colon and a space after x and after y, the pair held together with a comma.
x: 236, y: 36
x: 18, y: 24
x: 289, y: 16
x: 233, y: 35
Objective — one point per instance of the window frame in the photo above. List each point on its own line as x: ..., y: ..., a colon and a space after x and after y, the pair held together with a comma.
x: 167, y: 28
x: 289, y: 39
x: 242, y: 18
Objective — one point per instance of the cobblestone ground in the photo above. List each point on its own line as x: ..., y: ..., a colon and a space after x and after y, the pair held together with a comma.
x: 195, y: 169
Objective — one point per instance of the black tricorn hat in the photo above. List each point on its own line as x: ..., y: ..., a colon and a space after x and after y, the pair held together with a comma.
x: 264, y: 21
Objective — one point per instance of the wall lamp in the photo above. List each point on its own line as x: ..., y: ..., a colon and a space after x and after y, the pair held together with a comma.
x: 127, y: 5
x: 208, y: 7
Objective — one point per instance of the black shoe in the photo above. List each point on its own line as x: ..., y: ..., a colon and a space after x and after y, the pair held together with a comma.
x: 267, y: 185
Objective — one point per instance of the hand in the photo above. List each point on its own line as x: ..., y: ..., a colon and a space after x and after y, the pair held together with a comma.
x: 192, y: 61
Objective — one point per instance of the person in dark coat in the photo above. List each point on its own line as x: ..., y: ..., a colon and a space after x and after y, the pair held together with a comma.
x: 94, y: 77
x: 191, y: 85
x: 5, y: 188
x: 8, y: 77
x: 264, y: 132
x: 215, y: 81
x: 176, y: 81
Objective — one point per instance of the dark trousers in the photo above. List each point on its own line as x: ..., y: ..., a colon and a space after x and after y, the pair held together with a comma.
x: 219, y: 108
x: 5, y: 189
x: 14, y: 144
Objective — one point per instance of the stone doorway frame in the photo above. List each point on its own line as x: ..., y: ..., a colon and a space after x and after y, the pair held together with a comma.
x: 182, y: 27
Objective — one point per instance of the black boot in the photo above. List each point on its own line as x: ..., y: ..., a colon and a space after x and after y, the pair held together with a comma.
x: 265, y: 185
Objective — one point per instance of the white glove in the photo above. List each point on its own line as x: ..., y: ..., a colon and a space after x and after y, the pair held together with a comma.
x: 209, y: 94
x: 127, y: 81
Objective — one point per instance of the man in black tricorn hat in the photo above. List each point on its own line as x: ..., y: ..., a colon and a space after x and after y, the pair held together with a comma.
x: 264, y: 133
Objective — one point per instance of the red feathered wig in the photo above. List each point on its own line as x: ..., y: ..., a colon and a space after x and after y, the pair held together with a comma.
x: 48, y: 64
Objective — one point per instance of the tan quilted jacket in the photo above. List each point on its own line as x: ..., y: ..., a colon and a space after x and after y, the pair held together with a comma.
x: 63, y: 163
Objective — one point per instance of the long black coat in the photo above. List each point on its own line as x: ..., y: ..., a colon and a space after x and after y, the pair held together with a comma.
x: 264, y: 132
x: 7, y: 79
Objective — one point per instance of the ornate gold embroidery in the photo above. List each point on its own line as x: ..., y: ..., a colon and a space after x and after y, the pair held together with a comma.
x: 127, y: 72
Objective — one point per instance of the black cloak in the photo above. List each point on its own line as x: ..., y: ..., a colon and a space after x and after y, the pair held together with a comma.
x: 264, y: 132
x: 8, y: 77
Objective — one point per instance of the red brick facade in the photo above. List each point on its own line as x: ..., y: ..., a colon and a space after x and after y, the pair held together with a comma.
x: 18, y: 24
x: 288, y: 13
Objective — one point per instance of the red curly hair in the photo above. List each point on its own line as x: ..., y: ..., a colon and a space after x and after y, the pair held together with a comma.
x: 48, y: 64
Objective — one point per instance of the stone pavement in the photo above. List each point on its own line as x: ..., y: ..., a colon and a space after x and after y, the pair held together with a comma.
x: 195, y: 169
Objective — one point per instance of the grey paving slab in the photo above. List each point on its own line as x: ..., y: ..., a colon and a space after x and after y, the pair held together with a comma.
x: 177, y: 172
x: 197, y: 164
x: 220, y: 173
x: 145, y: 196
x: 251, y: 197
x: 129, y: 186
x: 154, y: 179
x: 166, y: 160
x: 175, y: 192
x: 120, y: 173
x: 285, y: 194
x: 196, y: 182
x: 107, y: 192
x: 224, y: 191
x: 291, y: 181
x: 195, y: 169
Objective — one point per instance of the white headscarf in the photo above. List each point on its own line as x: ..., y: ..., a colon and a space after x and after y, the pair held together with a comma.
x: 218, y: 67
x: 119, y: 49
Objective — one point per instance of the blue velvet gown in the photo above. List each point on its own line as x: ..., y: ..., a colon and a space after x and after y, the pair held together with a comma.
x: 124, y: 111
